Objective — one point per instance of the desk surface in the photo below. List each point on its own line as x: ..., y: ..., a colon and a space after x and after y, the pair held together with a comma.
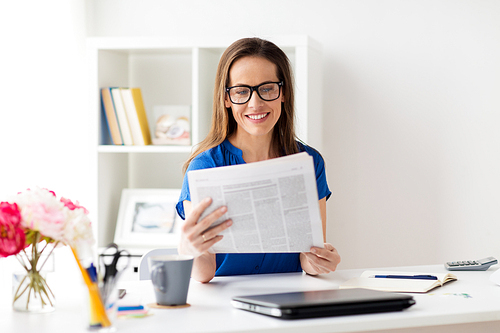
x: 210, y: 309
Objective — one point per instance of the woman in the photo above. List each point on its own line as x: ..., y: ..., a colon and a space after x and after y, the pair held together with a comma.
x: 252, y: 120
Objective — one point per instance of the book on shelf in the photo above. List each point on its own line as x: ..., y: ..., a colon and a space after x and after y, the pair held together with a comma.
x: 109, y: 112
x: 121, y: 115
x: 136, y: 116
x: 405, y: 282
x: 273, y: 204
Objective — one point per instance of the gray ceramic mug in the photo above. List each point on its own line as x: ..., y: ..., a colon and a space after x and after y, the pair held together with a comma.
x: 170, y: 275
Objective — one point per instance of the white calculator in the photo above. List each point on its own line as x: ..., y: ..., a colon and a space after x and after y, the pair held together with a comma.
x: 471, y: 265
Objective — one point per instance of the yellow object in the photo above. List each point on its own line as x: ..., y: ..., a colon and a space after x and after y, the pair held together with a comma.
x: 97, y: 310
x: 141, y: 115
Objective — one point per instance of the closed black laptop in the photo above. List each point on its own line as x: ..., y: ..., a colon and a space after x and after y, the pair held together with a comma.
x: 323, y: 303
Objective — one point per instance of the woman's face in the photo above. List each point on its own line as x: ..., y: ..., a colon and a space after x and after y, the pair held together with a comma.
x: 256, y: 117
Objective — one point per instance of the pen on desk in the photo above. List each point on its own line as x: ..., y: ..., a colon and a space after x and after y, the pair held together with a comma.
x: 413, y: 277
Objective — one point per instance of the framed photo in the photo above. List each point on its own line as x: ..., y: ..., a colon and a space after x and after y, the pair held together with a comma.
x: 148, y: 218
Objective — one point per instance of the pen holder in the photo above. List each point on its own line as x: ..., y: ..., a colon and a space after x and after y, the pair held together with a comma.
x: 100, y: 311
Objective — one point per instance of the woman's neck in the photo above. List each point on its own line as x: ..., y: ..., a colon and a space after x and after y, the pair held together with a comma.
x: 254, y: 148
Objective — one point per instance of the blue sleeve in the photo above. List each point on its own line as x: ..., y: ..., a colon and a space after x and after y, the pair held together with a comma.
x: 200, y: 162
x: 323, y: 189
x: 319, y: 167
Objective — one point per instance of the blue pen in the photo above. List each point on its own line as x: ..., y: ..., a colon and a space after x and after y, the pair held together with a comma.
x: 414, y: 277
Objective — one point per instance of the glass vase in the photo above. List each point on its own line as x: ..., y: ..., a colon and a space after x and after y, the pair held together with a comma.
x: 31, y: 292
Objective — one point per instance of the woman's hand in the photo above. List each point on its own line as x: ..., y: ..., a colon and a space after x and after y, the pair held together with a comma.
x: 320, y: 261
x: 195, y: 239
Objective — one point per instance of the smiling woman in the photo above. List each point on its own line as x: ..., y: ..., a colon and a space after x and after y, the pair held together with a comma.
x: 276, y: 68
x: 256, y: 116
x: 252, y: 120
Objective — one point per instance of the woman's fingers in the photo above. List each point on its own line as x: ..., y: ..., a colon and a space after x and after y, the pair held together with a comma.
x: 208, y: 238
x: 208, y: 235
x: 195, y: 214
x: 203, y: 247
x: 319, y: 265
x: 208, y: 220
x: 193, y: 224
x: 197, y: 234
x: 323, y: 260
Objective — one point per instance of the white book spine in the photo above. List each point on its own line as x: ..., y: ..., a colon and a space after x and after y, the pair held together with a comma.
x: 122, y: 116
x: 133, y: 119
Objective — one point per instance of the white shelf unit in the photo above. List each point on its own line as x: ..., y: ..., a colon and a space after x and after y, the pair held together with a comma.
x: 174, y: 71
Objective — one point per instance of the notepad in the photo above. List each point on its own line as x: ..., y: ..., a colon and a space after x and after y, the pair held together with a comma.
x: 367, y: 280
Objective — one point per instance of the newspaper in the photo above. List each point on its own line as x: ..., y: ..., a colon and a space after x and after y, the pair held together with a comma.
x: 273, y: 204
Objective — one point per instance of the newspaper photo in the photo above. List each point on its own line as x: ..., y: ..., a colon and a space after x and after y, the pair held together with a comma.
x: 273, y: 204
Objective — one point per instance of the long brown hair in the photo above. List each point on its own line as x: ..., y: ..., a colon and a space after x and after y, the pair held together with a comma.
x: 223, y: 123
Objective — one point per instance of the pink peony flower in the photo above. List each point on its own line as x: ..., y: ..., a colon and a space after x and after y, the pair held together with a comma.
x: 47, y: 219
x: 12, y: 238
x: 9, y: 214
x: 41, y: 211
x: 51, y: 192
x: 72, y: 206
x: 57, y: 220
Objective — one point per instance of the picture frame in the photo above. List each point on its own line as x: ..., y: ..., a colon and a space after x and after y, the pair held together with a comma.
x: 147, y: 218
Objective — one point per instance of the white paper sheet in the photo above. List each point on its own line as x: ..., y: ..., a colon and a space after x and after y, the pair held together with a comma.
x: 273, y: 204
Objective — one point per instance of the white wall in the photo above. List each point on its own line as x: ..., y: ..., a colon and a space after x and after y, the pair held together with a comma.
x: 410, y: 100
x: 411, y: 113
x: 43, y: 96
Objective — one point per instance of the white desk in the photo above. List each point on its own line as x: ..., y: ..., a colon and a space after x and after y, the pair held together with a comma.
x: 211, y: 311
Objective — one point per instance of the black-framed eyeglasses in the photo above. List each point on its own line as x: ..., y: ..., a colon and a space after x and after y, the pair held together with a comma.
x: 268, y: 91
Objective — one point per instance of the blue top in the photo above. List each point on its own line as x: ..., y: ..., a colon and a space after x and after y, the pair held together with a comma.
x: 250, y: 263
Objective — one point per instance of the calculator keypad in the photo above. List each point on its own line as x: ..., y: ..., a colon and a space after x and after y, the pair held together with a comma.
x: 482, y: 264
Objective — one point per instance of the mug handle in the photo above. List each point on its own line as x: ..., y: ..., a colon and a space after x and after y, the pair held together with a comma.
x: 156, y: 273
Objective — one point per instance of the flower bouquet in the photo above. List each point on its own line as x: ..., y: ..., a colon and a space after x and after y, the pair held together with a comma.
x: 34, y: 223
